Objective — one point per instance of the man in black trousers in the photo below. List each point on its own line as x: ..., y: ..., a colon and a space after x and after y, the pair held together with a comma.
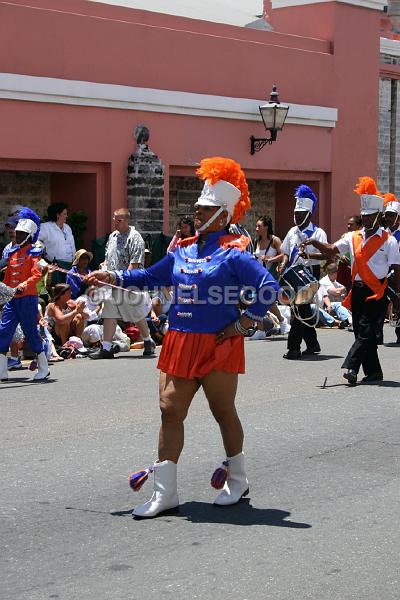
x: 373, y: 251
x: 303, y: 323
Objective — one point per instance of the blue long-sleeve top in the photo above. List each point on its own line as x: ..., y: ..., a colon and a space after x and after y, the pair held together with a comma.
x: 74, y: 279
x: 207, y: 284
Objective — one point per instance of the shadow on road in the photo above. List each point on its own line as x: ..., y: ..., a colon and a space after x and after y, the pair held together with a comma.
x: 388, y: 383
x: 320, y: 357
x: 242, y: 513
x: 11, y: 383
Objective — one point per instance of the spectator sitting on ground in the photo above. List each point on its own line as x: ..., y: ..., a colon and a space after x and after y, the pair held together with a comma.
x: 43, y: 328
x: 157, y: 326
x: 332, y: 293
x: 93, y: 336
x: 157, y: 318
x: 64, y: 315
x: 80, y: 268
x: 92, y: 305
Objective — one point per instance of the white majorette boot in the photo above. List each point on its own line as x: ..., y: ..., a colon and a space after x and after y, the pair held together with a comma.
x: 231, y: 475
x: 3, y: 368
x: 43, y: 367
x: 165, y: 495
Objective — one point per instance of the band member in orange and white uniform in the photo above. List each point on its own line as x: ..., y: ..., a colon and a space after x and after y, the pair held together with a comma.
x: 373, y: 251
x: 392, y: 222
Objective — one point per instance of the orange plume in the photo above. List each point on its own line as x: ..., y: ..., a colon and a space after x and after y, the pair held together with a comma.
x: 216, y: 168
x: 367, y: 185
x: 389, y: 197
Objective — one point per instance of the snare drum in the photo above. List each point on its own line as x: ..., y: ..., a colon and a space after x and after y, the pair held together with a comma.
x: 298, y: 285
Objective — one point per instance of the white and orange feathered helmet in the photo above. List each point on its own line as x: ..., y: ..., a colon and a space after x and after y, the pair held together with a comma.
x: 225, y: 187
x: 371, y: 198
x: 391, y: 203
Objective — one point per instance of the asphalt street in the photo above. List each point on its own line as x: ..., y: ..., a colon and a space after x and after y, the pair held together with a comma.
x: 320, y: 523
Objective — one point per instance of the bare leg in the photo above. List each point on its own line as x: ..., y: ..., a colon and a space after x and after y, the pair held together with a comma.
x: 220, y: 390
x: 176, y: 395
x: 109, y: 327
x: 14, y: 349
x: 77, y: 326
x: 275, y: 311
x: 143, y: 328
x: 63, y: 331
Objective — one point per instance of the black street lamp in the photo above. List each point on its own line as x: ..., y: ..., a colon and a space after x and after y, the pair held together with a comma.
x: 274, y: 116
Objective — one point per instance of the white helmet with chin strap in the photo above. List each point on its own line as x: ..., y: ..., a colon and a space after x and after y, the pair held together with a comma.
x: 222, y: 194
x: 392, y: 205
x: 306, y: 201
x: 370, y: 197
x: 225, y: 188
x: 29, y: 223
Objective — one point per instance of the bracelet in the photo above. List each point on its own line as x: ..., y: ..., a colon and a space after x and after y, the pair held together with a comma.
x: 239, y: 328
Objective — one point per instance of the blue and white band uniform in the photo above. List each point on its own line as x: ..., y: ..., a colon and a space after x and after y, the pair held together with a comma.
x: 207, y: 284
x: 296, y: 236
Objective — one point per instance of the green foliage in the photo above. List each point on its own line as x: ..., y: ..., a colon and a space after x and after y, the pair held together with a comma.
x: 77, y: 221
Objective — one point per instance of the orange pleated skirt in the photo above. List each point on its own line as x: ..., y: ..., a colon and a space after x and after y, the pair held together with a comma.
x: 193, y: 355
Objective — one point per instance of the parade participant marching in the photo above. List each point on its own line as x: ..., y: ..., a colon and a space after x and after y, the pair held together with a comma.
x: 392, y: 222
x: 392, y: 215
x: 373, y: 251
x: 22, y: 274
x: 204, y: 346
x: 306, y: 202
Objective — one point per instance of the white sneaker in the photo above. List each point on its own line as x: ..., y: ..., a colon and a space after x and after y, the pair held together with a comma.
x: 284, y: 327
x: 258, y: 335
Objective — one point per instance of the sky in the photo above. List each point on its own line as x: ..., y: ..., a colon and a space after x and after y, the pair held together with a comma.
x: 233, y: 12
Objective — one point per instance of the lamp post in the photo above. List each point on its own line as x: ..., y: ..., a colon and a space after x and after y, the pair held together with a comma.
x: 273, y: 114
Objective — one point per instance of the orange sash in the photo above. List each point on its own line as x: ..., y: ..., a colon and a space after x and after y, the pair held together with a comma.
x: 362, y: 255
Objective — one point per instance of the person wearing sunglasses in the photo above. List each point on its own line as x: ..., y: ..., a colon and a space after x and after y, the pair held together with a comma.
x: 124, y: 251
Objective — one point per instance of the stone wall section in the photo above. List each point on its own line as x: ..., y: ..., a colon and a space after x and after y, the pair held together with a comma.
x: 184, y: 191
x: 23, y: 187
x: 389, y: 131
x: 145, y: 184
x: 384, y: 134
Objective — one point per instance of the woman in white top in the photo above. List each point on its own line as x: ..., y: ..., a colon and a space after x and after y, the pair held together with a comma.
x: 57, y: 238
x: 268, y: 252
x: 267, y: 245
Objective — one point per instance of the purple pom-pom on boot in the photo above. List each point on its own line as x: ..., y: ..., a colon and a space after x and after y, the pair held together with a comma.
x: 220, y: 476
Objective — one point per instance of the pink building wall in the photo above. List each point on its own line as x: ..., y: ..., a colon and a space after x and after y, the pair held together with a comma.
x: 79, y: 40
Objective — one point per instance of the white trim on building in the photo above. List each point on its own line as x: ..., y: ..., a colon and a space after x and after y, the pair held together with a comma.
x: 391, y: 47
x: 374, y: 4
x: 106, y: 95
x: 230, y: 12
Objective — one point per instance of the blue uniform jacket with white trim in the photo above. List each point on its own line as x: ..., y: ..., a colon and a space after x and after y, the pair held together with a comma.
x: 207, y: 284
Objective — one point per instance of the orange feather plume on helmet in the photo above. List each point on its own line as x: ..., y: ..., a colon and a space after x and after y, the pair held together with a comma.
x: 367, y: 185
x: 389, y: 197
x: 217, y: 168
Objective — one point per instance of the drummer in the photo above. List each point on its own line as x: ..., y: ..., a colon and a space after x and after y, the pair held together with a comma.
x: 306, y: 203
